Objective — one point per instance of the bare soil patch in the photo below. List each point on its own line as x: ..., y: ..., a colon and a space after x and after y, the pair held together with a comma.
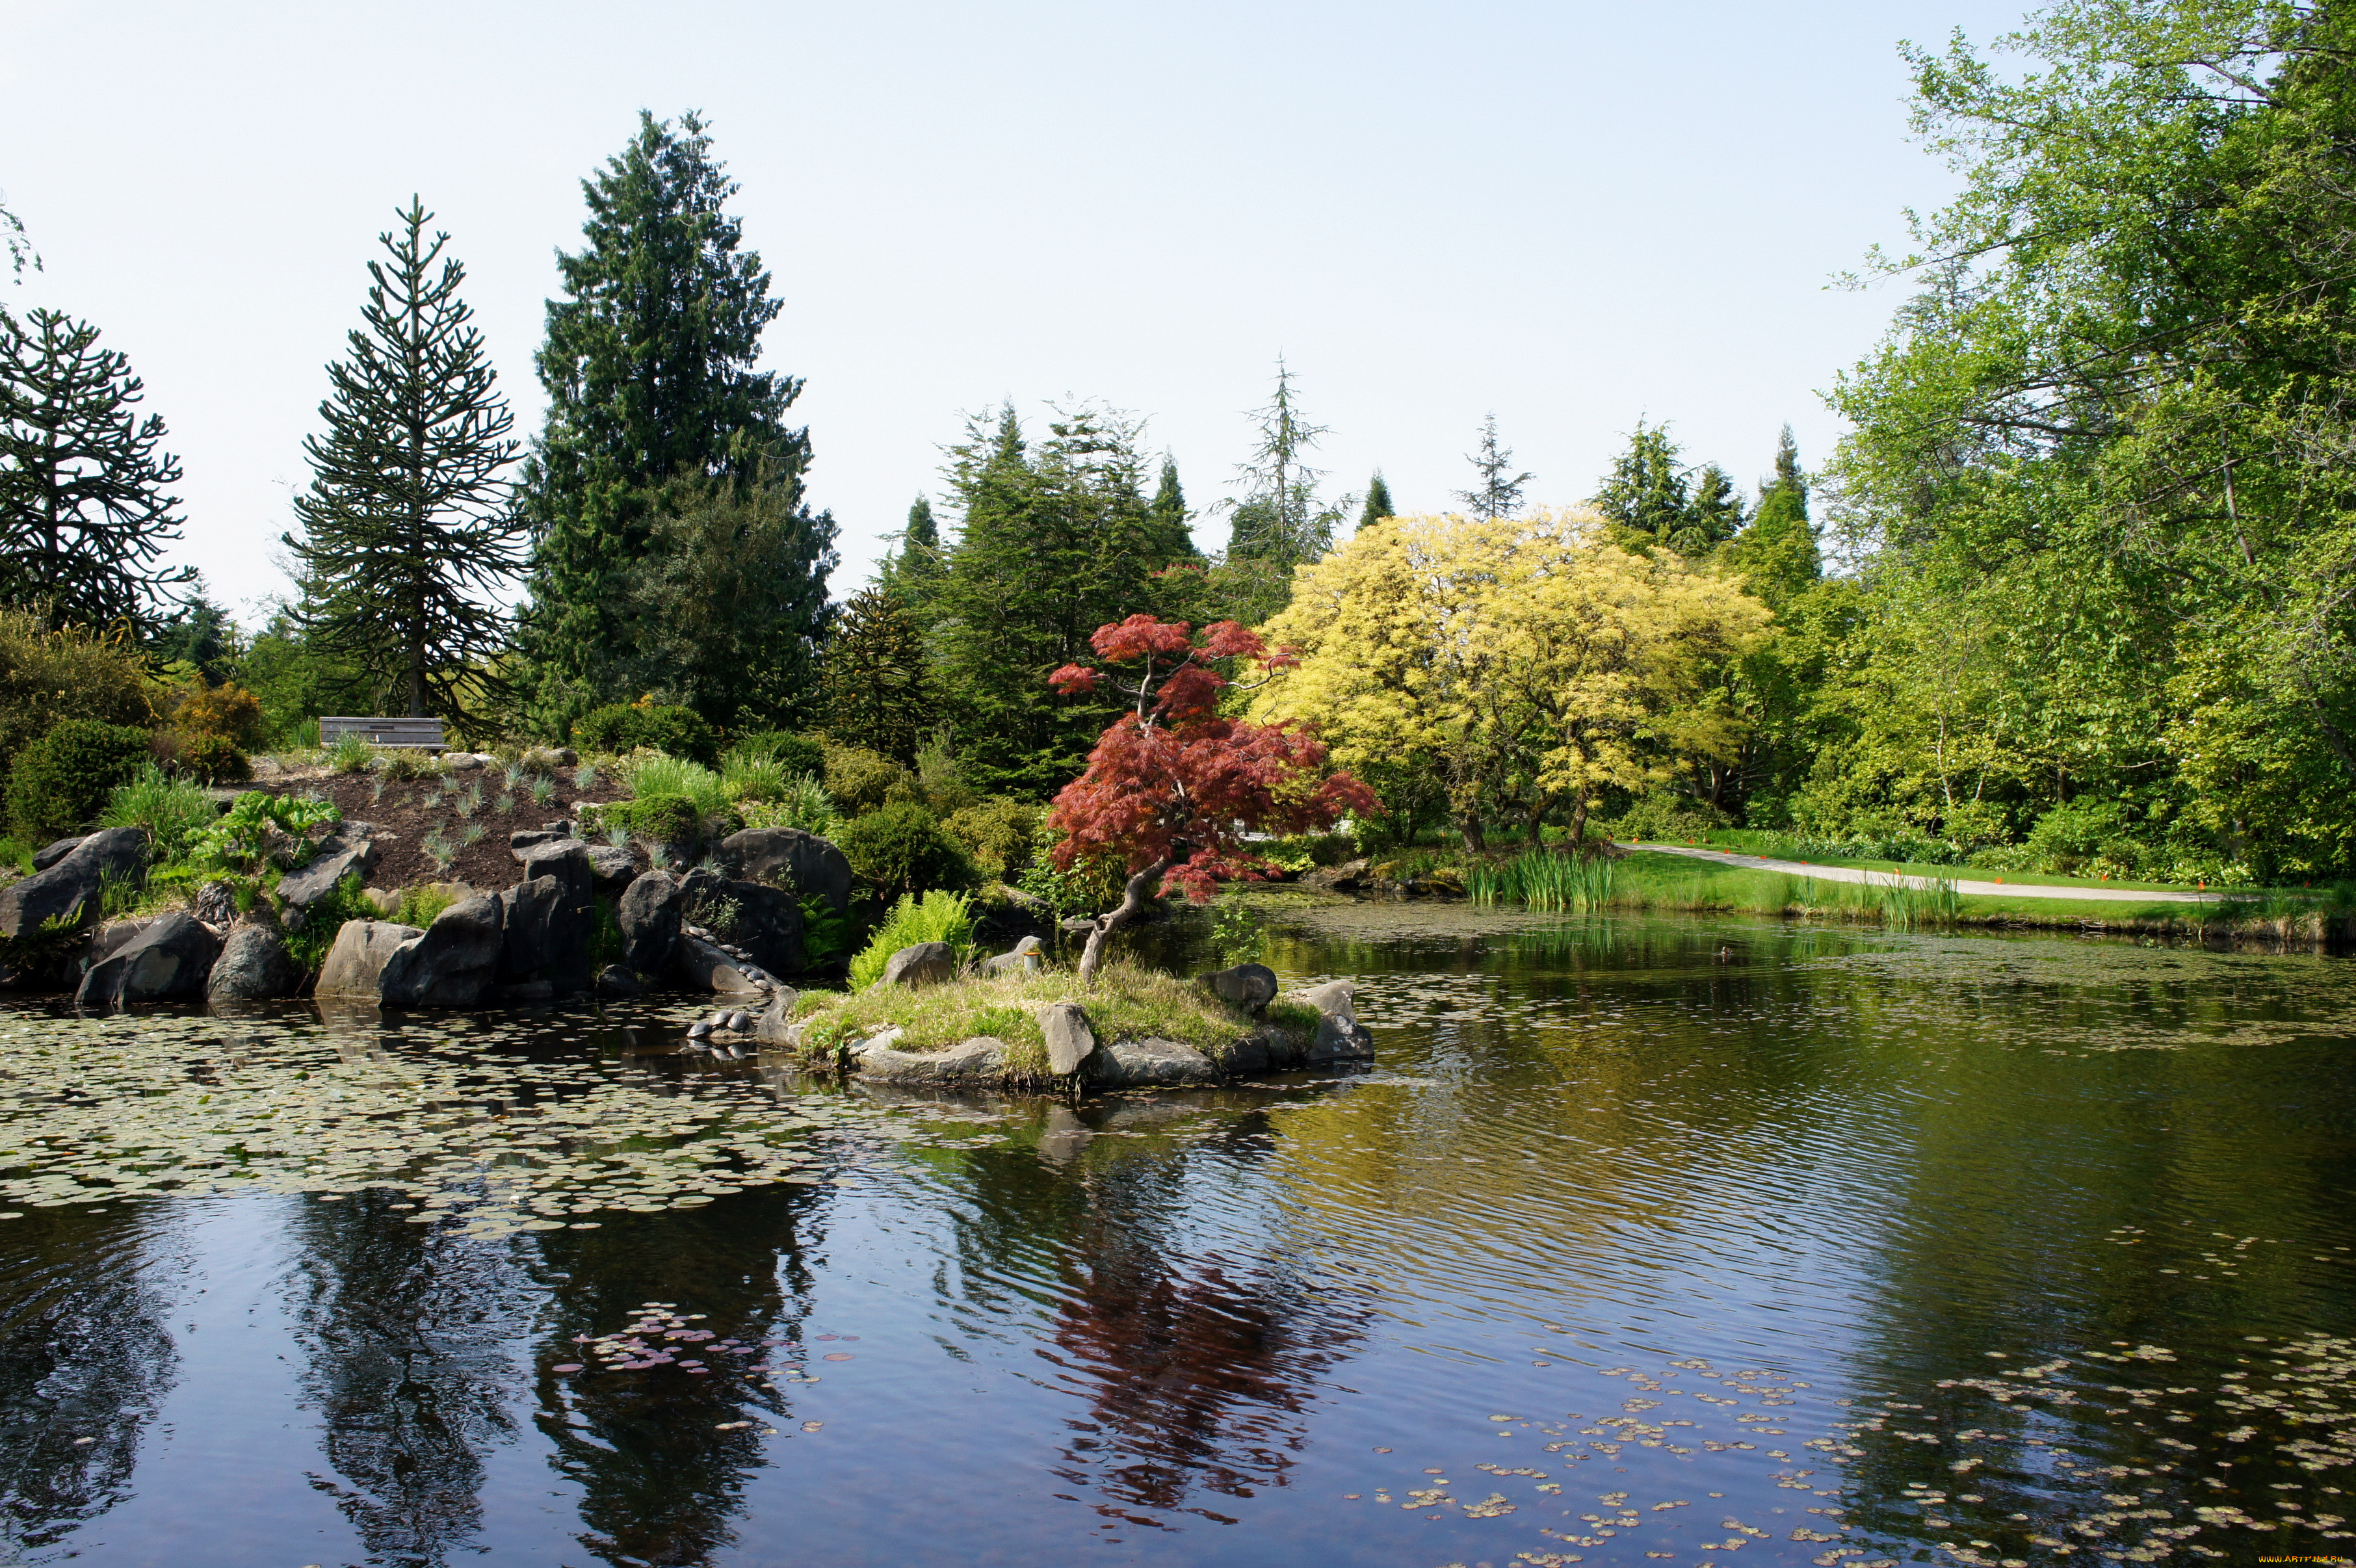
x: 405, y: 811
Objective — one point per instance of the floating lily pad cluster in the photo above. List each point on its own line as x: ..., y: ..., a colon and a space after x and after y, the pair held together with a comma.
x: 661, y: 1336
x: 93, y: 1110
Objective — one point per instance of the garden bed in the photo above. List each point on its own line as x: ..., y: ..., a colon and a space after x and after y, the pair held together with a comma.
x: 405, y: 811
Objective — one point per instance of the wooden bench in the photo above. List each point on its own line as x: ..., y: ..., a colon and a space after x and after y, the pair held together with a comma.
x: 424, y: 734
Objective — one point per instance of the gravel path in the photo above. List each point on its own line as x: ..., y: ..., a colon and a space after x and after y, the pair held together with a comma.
x: 1889, y: 878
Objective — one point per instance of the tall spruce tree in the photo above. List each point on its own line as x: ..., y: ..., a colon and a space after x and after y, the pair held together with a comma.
x: 650, y: 371
x: 1499, y: 493
x: 408, y: 534
x: 85, y: 510
x: 1279, y: 522
x: 1169, y: 523
x: 879, y: 688
x: 909, y: 572
x: 1713, y: 515
x: 1777, y: 554
x: 1646, y: 493
x: 1378, y: 501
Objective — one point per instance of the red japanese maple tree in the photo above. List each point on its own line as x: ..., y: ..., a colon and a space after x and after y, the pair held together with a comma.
x: 1172, y: 786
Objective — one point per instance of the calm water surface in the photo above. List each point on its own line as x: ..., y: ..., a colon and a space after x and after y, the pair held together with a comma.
x: 1644, y: 1241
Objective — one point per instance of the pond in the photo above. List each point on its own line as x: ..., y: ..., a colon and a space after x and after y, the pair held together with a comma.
x: 1643, y: 1241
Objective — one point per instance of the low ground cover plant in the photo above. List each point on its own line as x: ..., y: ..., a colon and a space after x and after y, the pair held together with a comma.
x: 937, y: 916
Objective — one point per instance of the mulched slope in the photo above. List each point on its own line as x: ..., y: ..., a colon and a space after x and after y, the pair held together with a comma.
x: 402, y: 817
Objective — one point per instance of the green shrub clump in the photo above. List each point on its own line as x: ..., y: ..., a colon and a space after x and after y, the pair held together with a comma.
x: 627, y: 727
x: 229, y: 712
x: 419, y: 906
x: 998, y: 834
x: 861, y: 780
x: 901, y: 849
x: 665, y: 819
x: 652, y: 775
x: 308, y: 944
x: 47, y: 677
x: 61, y: 781
x: 210, y: 758
x: 794, y: 753
x: 937, y: 917
x: 804, y: 804
x: 172, y: 811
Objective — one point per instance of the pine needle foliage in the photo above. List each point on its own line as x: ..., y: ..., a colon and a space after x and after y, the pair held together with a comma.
x: 407, y: 535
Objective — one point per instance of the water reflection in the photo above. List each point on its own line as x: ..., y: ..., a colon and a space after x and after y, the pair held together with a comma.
x: 87, y: 1356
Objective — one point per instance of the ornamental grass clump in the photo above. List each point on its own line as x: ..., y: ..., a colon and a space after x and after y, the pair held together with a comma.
x: 172, y: 812
x: 655, y: 774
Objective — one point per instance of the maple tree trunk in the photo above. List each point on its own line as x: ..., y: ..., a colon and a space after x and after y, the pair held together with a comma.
x: 1133, y: 904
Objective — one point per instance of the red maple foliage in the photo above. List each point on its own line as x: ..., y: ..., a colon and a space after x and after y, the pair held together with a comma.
x: 1173, y: 786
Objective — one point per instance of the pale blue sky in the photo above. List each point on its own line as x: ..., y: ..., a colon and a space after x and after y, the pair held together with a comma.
x: 1573, y: 214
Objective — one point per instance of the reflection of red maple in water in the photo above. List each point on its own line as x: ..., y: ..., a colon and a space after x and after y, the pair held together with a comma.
x: 1195, y: 1382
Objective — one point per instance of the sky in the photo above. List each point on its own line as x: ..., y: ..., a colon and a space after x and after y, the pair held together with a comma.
x: 1573, y: 216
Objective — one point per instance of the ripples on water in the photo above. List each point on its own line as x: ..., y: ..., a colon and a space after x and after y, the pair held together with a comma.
x: 1673, y: 1241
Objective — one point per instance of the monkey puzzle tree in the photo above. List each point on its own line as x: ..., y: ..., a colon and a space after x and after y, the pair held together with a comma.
x: 1172, y: 786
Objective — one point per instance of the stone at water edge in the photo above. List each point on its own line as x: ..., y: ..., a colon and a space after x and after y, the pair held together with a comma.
x: 336, y: 857
x: 810, y: 865
x: 648, y: 915
x: 70, y: 889
x: 1070, y: 1041
x: 170, y: 958
x: 775, y: 1026
x: 703, y: 966
x: 925, y: 963
x: 979, y: 1062
x: 253, y: 966
x: 1335, y: 999
x: 617, y: 984
x: 1138, y: 1063
x: 1338, y: 1040
x: 1251, y: 986
x: 359, y: 957
x: 453, y: 962
x: 614, y: 867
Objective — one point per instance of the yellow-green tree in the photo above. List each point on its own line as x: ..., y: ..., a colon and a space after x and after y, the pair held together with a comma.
x: 1529, y: 663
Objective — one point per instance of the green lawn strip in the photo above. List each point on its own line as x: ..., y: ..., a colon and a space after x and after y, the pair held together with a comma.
x: 1767, y: 846
x: 1647, y: 879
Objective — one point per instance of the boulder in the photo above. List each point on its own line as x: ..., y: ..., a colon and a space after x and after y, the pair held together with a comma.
x: 1338, y: 1040
x: 617, y: 984
x: 1251, y: 986
x: 765, y: 921
x: 703, y: 966
x: 215, y: 905
x: 649, y: 917
x: 789, y: 857
x: 977, y: 1063
x: 774, y: 1025
x: 451, y: 963
x: 383, y: 900
x: 361, y: 950
x: 1136, y: 1064
x: 112, y: 936
x: 168, y: 959
x: 563, y: 857
x: 68, y: 890
x: 1345, y: 877
x: 1335, y: 999
x: 612, y: 867
x: 253, y: 966
x: 523, y: 839
x: 926, y: 963
x: 1070, y: 1041
x: 49, y: 855
x: 548, y: 918
x: 338, y: 855
x: 1024, y: 959
x: 464, y: 761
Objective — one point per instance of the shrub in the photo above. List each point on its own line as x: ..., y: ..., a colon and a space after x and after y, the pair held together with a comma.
x: 666, y: 819
x: 420, y: 905
x: 655, y: 774
x: 230, y: 712
x: 861, y: 780
x: 625, y: 727
x: 47, y: 677
x: 746, y: 777
x: 61, y: 780
x: 2068, y: 837
x: 253, y: 834
x: 944, y: 784
x: 900, y: 849
x: 804, y: 805
x: 795, y: 753
x: 171, y: 810
x: 213, y: 758
x: 937, y: 917
x: 997, y: 834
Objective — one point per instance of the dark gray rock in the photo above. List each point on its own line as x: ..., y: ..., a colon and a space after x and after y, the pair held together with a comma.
x: 1348, y: 876
x: 926, y: 963
x: 548, y: 916
x: 615, y: 982
x: 361, y: 950
x: 775, y: 1026
x: 338, y: 855
x: 699, y: 965
x: 1136, y: 1064
x: 567, y: 860
x: 69, y: 890
x: 789, y: 857
x: 453, y: 963
x: 1070, y: 1041
x: 763, y: 923
x: 523, y: 839
x: 1335, y: 999
x: 253, y: 966
x: 216, y: 904
x: 112, y: 936
x: 614, y: 868
x: 1026, y: 958
x: 1338, y: 1040
x: 170, y: 958
x: 523, y: 991
x: 1251, y: 986
x: 49, y: 855
x: 648, y: 915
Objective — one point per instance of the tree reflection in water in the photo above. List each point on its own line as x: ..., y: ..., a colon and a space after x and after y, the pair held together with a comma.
x: 86, y: 1358
x: 1199, y: 1372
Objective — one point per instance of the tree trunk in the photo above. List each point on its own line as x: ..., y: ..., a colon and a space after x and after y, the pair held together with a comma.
x: 1133, y: 904
x: 1579, y: 823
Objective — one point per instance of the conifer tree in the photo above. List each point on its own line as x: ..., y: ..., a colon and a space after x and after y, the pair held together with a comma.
x: 1777, y: 554
x: 909, y: 572
x: 1169, y: 520
x: 84, y: 508
x: 1713, y: 515
x: 650, y: 371
x: 1499, y: 493
x: 1281, y: 522
x: 1646, y: 495
x: 1378, y: 501
x: 408, y: 534
x: 878, y: 689
x: 20, y: 249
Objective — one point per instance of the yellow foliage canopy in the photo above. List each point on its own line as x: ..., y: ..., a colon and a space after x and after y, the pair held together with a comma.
x: 1526, y: 661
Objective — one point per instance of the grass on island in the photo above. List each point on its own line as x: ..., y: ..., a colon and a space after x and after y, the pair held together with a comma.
x: 1130, y: 1002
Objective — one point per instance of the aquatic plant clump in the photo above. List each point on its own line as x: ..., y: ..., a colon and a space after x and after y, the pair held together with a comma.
x: 109, y: 1108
